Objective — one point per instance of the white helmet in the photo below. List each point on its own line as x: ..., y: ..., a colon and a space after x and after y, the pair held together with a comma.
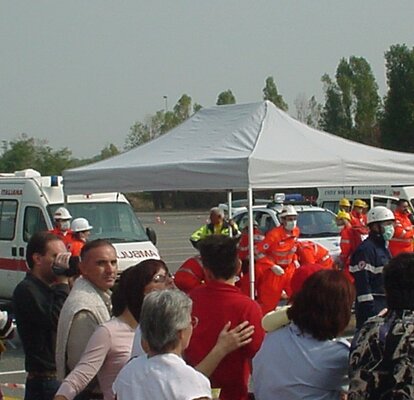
x: 62, y: 213
x: 80, y: 225
x: 379, y: 214
x: 287, y: 211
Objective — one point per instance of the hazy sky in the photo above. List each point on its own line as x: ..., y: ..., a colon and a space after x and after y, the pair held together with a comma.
x: 80, y: 72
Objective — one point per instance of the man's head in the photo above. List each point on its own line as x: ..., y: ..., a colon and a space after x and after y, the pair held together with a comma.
x: 62, y: 219
x: 99, y: 263
x: 216, y: 216
x: 41, y: 252
x: 402, y: 206
x: 343, y: 218
x: 381, y: 220
x: 81, y: 228
x: 399, y: 282
x: 358, y: 206
x: 219, y: 256
x: 288, y: 217
x: 344, y: 205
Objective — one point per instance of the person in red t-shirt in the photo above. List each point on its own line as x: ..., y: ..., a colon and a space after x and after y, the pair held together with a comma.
x: 216, y: 303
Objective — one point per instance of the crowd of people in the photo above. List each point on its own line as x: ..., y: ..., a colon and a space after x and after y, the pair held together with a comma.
x: 148, y: 336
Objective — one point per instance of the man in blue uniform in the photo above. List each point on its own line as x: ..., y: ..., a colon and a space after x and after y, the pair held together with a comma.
x: 367, y: 264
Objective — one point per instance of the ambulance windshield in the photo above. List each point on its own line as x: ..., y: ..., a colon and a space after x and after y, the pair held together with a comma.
x: 115, y: 221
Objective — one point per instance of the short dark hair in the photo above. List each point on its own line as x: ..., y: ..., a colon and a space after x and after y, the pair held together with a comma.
x: 38, y: 244
x: 399, y: 202
x: 399, y: 282
x: 93, y: 244
x: 322, y: 307
x: 130, y: 289
x: 219, y: 255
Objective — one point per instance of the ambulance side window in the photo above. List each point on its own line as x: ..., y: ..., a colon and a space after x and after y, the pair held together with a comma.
x: 34, y: 221
x: 8, y: 214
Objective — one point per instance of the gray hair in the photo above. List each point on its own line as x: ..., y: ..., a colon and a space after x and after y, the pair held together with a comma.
x: 164, y: 313
x: 218, y: 211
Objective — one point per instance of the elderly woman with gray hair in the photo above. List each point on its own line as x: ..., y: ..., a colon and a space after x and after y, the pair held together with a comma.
x: 166, y: 326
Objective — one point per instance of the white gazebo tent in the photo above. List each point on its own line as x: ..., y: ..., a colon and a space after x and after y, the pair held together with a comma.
x: 241, y: 148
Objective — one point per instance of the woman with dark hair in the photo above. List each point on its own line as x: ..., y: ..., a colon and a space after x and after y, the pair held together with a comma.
x: 303, y: 359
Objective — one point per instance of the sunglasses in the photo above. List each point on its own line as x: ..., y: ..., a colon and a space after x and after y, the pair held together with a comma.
x: 161, y: 278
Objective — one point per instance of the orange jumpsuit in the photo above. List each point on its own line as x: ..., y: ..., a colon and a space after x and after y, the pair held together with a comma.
x: 65, y: 236
x: 402, y: 240
x: 190, y: 274
x: 75, y: 246
x: 278, y: 247
x: 359, y: 221
x: 309, y: 252
x: 243, y: 249
x: 350, y: 240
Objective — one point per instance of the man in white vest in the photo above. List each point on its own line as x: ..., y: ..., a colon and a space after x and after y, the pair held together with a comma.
x: 87, y: 306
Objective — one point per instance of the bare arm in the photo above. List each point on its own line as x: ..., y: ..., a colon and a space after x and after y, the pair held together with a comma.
x: 227, y: 341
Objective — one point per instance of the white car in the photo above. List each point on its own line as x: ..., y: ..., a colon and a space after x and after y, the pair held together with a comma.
x: 315, y: 223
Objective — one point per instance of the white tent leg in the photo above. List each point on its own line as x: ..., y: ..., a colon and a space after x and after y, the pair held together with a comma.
x: 230, y: 210
x: 251, y: 242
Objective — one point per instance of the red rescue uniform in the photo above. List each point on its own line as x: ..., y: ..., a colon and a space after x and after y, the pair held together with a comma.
x: 190, y: 275
x: 75, y: 246
x: 402, y: 241
x: 350, y: 240
x: 278, y: 248
x: 309, y: 252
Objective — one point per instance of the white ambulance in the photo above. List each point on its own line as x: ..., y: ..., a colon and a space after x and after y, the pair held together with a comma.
x: 329, y: 197
x: 27, y: 204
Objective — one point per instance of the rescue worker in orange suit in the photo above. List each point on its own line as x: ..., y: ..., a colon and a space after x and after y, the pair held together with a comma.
x: 358, y: 217
x: 62, y: 229
x: 309, y: 252
x: 277, y: 260
x: 344, y: 205
x: 350, y: 240
x: 243, y: 250
x: 402, y: 241
x: 190, y: 275
x: 81, y: 230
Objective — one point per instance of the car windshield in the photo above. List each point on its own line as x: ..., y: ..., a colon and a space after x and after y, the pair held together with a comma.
x: 317, y: 223
x: 114, y: 221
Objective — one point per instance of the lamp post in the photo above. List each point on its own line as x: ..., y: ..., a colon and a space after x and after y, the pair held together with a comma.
x: 166, y: 103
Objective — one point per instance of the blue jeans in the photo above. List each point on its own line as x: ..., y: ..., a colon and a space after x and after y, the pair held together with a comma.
x: 40, y: 388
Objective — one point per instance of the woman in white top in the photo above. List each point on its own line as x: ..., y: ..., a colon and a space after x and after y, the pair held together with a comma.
x: 303, y: 359
x: 162, y: 374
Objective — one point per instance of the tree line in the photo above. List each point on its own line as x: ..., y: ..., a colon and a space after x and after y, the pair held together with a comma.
x: 352, y: 109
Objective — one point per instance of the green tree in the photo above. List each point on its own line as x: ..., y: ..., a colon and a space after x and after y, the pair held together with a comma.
x: 197, y: 107
x: 139, y: 133
x: 108, y: 151
x: 226, y: 97
x: 182, y: 109
x: 270, y: 93
x: 352, y: 102
x: 27, y: 152
x: 397, y: 122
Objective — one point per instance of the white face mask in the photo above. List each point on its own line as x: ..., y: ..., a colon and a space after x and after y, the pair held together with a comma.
x: 290, y: 225
x: 65, y: 225
x: 388, y: 232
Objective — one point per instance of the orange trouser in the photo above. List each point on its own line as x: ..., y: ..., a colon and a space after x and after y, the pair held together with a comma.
x: 270, y: 286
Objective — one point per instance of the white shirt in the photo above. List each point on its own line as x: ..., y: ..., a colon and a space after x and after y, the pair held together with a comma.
x: 137, y: 349
x: 291, y: 365
x: 164, y: 376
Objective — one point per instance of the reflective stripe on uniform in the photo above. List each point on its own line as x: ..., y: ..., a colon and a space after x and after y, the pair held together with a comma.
x: 326, y: 257
x: 366, y: 267
x: 365, y: 297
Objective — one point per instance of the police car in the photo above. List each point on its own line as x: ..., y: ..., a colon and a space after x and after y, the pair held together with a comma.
x: 315, y: 223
